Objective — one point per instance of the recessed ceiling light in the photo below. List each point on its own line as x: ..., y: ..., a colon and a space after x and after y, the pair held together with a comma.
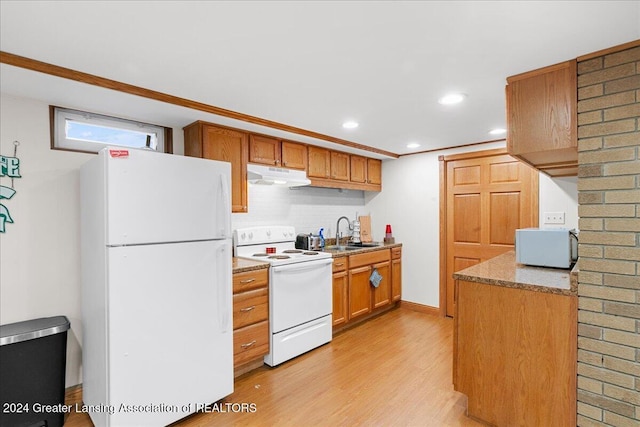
x: 413, y: 145
x: 350, y: 124
x: 452, y: 98
x: 497, y: 131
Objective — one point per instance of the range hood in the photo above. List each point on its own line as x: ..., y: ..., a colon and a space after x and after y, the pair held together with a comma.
x: 269, y: 175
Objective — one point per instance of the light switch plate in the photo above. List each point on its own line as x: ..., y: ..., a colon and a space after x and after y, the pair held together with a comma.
x: 554, y: 217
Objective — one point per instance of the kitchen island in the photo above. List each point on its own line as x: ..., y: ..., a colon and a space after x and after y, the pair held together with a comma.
x: 515, y: 343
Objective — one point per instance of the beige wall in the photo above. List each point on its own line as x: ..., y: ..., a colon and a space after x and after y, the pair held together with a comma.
x: 609, y: 209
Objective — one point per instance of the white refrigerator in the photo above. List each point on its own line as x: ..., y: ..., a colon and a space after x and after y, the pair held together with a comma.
x: 157, y: 340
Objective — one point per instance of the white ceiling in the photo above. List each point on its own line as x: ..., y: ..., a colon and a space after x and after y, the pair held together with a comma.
x: 308, y: 64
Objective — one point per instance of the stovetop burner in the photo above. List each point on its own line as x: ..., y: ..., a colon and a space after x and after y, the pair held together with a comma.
x: 273, y: 244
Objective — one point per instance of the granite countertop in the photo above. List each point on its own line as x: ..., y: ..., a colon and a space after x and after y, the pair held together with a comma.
x: 340, y: 253
x: 503, y: 270
x: 240, y: 265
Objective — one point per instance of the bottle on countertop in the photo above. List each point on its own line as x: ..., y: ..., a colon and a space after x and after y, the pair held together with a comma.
x: 321, y: 238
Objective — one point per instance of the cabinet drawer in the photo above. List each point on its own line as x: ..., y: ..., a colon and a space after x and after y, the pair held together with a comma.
x: 396, y: 253
x: 250, y: 307
x: 340, y: 264
x: 250, y: 342
x: 248, y: 280
x: 369, y: 258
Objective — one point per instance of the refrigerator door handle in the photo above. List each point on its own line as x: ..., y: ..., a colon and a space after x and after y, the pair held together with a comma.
x: 223, y: 284
x: 224, y: 209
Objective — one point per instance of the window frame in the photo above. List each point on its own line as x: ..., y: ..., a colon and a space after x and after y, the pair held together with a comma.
x: 59, y: 115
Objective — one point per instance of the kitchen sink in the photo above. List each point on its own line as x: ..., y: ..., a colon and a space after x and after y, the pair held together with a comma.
x: 351, y: 247
x: 342, y: 248
x: 364, y: 245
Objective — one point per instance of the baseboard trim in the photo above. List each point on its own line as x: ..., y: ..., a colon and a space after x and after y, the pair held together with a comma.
x: 427, y: 309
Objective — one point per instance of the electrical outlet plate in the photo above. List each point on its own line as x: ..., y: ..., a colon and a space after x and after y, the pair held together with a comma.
x: 554, y: 217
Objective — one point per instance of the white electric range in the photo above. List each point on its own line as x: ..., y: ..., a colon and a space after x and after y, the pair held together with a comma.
x: 300, y: 290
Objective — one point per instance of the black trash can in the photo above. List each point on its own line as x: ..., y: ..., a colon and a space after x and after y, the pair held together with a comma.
x: 33, y: 358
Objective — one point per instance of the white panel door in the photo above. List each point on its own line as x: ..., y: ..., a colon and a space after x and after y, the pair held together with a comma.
x: 170, y: 329
x: 156, y: 197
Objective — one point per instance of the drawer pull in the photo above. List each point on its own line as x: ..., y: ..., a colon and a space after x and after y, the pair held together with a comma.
x: 340, y: 264
x: 248, y: 308
x: 249, y: 344
x: 247, y: 280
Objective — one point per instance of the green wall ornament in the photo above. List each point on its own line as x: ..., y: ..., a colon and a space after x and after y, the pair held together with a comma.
x: 9, y: 166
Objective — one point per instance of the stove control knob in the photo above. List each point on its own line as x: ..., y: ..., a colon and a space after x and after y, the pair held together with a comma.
x: 243, y: 236
x: 250, y: 235
x: 269, y: 233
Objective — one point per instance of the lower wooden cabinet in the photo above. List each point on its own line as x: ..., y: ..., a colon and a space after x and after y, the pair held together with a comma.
x: 514, y: 355
x: 396, y: 274
x: 340, y: 290
x: 354, y: 296
x: 250, y: 316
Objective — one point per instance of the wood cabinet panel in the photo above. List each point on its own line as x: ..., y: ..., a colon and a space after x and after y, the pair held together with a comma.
x: 319, y: 162
x: 340, y: 297
x: 358, y: 172
x: 264, y: 150
x: 517, y: 346
x: 542, y: 118
x: 382, y: 293
x: 250, y: 342
x: 340, y: 166
x: 228, y: 145
x: 374, y: 171
x: 249, y: 280
x: 250, y: 307
x: 359, y: 291
x: 396, y: 274
x: 294, y: 155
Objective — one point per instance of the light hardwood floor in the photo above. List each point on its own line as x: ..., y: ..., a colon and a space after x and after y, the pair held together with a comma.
x: 394, y: 370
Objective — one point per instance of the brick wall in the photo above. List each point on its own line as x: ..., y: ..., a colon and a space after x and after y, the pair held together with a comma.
x: 609, y: 210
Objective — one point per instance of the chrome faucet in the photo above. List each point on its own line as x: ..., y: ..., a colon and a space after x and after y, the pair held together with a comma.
x: 338, y: 228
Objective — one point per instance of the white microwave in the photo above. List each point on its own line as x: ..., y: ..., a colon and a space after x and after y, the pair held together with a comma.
x: 547, y: 247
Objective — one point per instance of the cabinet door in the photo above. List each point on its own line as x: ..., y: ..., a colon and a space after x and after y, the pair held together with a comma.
x: 339, y: 166
x: 294, y: 155
x: 358, y: 169
x: 229, y: 146
x: 359, y: 291
x: 396, y: 279
x: 382, y: 294
x: 319, y: 162
x: 374, y: 171
x: 340, y: 287
x: 542, y: 118
x: 264, y: 150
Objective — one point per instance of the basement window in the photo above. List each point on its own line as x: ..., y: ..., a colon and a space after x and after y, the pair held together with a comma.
x: 76, y: 130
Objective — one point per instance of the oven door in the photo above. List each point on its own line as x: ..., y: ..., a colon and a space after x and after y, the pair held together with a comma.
x: 299, y: 293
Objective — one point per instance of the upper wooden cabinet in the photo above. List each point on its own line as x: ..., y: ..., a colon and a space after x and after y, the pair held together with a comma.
x: 273, y: 152
x: 335, y: 169
x: 365, y: 170
x: 328, y: 164
x: 228, y: 145
x: 542, y: 118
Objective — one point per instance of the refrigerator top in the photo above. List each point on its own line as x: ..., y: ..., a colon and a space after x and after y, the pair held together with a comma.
x: 152, y: 197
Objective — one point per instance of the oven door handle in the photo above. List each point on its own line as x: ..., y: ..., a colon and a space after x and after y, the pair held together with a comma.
x: 302, y: 266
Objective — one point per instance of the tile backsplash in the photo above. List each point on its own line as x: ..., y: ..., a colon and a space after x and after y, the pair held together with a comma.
x: 306, y: 208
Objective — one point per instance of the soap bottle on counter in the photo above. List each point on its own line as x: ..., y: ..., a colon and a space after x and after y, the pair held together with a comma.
x: 321, y: 239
